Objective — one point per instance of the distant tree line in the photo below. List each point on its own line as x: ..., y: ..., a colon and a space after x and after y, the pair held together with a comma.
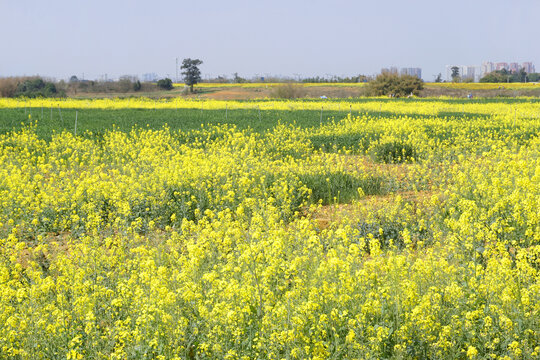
x: 30, y: 87
x: 502, y: 76
x: 337, y: 79
x: 237, y: 79
x: 125, y: 84
x: 39, y: 87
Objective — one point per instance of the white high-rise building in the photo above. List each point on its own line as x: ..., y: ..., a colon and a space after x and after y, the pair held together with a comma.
x: 390, y: 70
x: 529, y: 67
x: 468, y: 72
x: 403, y: 71
x: 514, y: 67
x: 412, y: 72
x: 501, y: 66
x: 486, y: 68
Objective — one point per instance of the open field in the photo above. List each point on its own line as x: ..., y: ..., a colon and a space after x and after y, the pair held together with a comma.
x: 367, y: 228
x: 252, y: 91
x: 98, y: 115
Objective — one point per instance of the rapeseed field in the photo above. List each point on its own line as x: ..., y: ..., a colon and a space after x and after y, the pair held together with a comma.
x: 411, y: 236
x: 521, y: 106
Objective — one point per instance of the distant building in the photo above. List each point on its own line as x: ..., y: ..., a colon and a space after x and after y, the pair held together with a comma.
x: 468, y: 72
x: 529, y: 67
x: 501, y: 66
x: 412, y: 72
x: 475, y: 73
x: 486, y: 68
x: 390, y: 70
x: 403, y: 71
x: 132, y: 78
x: 513, y: 67
x: 150, y: 77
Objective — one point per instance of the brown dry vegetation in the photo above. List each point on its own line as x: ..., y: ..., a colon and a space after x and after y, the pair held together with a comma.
x: 234, y: 93
x: 8, y: 86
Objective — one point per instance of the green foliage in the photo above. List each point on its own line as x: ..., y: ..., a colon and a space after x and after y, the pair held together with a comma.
x: 502, y: 76
x: 394, y: 152
x: 191, y: 72
x: 340, y: 187
x: 395, y: 85
x: 36, y: 88
x: 498, y: 76
x: 455, y: 74
x: 533, y: 77
x: 238, y: 79
x: 165, y: 84
x: 137, y: 85
x: 438, y: 79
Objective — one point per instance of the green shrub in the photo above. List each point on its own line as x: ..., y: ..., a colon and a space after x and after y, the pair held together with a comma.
x: 395, y: 85
x: 394, y: 152
x: 340, y: 187
x: 165, y: 84
x: 36, y: 88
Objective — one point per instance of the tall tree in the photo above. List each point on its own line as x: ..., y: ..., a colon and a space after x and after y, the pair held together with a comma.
x: 455, y: 73
x: 522, y: 75
x: 191, y: 72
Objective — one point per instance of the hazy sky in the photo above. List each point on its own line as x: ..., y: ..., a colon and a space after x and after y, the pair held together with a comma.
x: 59, y: 38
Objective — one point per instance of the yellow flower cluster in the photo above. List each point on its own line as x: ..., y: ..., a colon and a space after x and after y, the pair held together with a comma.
x: 210, y: 244
x: 439, y: 107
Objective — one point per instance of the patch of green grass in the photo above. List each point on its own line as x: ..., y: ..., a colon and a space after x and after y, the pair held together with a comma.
x: 394, y: 152
x: 341, y: 187
x: 96, y: 120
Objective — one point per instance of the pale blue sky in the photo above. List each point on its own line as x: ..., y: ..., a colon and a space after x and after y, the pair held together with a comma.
x: 59, y: 38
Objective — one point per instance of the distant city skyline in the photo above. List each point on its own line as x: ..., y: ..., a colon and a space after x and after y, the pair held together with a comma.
x: 476, y: 72
x: 99, y: 39
x: 412, y: 71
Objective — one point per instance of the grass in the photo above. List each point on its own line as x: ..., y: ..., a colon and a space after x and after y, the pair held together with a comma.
x: 341, y: 187
x: 97, y: 120
x: 184, y: 119
x: 394, y: 152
